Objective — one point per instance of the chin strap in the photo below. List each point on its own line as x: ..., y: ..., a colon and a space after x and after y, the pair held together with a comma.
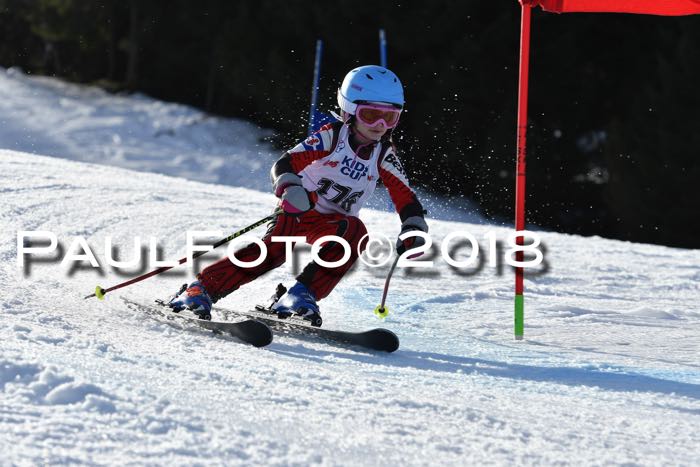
x: 337, y: 117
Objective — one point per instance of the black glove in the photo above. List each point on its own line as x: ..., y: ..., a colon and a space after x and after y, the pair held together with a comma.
x: 411, y: 223
x: 293, y: 196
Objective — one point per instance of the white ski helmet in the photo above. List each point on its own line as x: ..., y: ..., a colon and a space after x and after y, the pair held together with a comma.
x: 370, y: 83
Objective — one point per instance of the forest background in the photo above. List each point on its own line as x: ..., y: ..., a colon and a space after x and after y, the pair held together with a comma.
x: 613, y: 148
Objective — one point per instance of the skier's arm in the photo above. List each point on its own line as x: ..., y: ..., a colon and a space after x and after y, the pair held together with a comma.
x: 394, y: 178
x: 407, y: 205
x: 286, y: 183
x: 296, y: 159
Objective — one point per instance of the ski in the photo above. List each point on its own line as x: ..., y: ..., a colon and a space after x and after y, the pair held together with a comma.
x: 250, y: 330
x: 375, y: 339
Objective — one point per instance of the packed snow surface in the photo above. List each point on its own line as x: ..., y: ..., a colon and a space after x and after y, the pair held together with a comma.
x: 608, y: 373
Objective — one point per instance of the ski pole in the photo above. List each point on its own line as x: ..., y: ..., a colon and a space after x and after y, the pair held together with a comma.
x: 382, y: 311
x: 100, y: 292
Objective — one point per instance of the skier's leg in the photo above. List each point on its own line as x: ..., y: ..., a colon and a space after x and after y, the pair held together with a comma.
x: 223, y: 277
x: 321, y: 280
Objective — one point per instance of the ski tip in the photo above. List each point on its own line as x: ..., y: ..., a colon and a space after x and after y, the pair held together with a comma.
x: 265, y: 341
x: 255, y: 332
x: 383, y: 339
x: 390, y: 347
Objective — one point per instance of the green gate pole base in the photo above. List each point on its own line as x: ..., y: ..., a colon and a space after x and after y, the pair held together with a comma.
x: 519, y: 317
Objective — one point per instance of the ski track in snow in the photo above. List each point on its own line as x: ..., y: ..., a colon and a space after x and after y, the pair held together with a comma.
x: 608, y: 374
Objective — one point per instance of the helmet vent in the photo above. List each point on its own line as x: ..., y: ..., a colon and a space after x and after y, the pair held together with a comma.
x: 368, y: 75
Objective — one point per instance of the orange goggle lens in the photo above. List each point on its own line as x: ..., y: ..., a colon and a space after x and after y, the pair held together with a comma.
x: 373, y: 115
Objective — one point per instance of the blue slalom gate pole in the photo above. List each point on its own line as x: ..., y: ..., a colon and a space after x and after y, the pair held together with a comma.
x: 382, y: 62
x: 314, y: 88
x: 382, y: 48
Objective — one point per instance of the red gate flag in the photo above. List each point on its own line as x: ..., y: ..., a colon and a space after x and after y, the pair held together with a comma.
x: 644, y: 7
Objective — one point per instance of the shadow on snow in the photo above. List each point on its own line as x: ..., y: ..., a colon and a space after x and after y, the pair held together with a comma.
x: 612, y: 380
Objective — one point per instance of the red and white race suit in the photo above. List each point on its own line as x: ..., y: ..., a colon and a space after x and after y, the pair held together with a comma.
x: 340, y: 179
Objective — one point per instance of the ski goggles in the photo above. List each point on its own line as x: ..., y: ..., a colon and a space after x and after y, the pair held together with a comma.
x: 372, y: 114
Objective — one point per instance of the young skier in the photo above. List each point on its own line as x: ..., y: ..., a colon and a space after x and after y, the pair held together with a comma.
x: 322, y: 183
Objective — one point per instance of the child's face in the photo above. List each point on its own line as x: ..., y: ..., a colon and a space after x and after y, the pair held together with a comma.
x: 374, y: 133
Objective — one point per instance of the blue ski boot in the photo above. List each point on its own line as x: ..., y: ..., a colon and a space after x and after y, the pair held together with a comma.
x: 298, y: 301
x: 194, y: 298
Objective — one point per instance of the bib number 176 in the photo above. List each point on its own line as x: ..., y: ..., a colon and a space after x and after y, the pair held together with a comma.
x: 344, y: 196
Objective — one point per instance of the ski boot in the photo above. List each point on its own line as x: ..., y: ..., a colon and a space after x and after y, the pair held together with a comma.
x: 298, y: 301
x: 279, y: 293
x: 194, y: 298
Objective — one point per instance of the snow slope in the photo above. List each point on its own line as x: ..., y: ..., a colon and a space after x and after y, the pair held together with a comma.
x: 608, y: 373
x: 44, y: 115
